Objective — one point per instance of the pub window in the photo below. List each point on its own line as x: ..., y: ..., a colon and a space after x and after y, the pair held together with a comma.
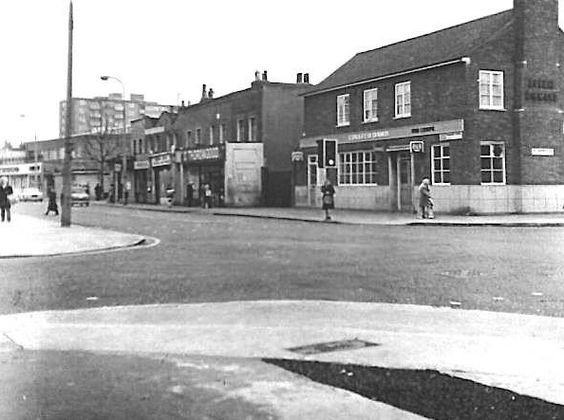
x: 312, y: 169
x: 440, y: 164
x: 198, y: 139
x: 357, y: 168
x: 492, y: 162
x: 403, y: 100
x: 343, y: 110
x: 370, y: 105
x: 491, y: 89
x: 211, y: 135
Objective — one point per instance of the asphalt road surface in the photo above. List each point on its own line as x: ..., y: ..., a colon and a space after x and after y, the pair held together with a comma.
x: 206, y: 258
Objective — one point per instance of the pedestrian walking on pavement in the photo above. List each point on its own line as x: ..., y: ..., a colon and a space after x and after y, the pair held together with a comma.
x: 6, y: 195
x: 425, y: 200
x: 52, y: 204
x: 126, y: 192
x: 208, y: 194
x: 327, y: 197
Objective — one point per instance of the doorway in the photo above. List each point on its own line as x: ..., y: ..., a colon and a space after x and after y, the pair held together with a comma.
x: 401, y: 177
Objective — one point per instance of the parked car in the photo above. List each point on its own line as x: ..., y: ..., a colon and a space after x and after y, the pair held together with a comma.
x: 31, y: 194
x: 79, y: 197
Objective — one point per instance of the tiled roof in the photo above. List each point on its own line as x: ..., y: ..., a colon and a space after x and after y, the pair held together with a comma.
x: 437, y: 47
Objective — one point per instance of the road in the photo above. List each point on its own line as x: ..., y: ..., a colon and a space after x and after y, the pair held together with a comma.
x: 205, y: 258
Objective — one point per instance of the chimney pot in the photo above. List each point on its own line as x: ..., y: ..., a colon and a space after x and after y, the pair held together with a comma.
x: 210, y: 93
x: 203, y: 91
x: 299, y: 78
x: 265, y: 76
x: 257, y: 76
x: 306, y: 77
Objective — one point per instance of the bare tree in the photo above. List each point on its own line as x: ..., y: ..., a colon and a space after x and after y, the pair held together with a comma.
x: 102, y: 147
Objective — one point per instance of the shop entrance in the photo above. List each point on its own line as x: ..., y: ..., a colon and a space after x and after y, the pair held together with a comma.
x: 401, y: 177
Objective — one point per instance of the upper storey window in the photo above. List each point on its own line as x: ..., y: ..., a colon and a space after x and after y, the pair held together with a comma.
x: 370, y: 105
x: 491, y: 89
x: 403, y: 100
x: 343, y: 110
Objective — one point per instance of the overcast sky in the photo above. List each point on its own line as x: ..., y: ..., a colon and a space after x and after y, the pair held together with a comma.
x: 166, y: 49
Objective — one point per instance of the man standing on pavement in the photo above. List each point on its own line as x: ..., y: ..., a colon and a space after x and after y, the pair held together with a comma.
x: 6, y: 192
x: 425, y: 201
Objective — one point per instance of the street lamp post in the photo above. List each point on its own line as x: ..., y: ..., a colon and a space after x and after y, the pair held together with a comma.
x: 124, y: 145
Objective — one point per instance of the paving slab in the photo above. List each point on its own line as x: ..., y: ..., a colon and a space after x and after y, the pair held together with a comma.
x: 27, y: 236
x: 521, y: 353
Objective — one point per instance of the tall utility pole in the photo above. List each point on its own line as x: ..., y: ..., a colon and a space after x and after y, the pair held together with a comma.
x: 66, y: 197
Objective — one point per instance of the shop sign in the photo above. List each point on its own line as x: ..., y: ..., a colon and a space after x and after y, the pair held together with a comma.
x: 117, y: 167
x: 541, y: 90
x: 542, y: 152
x: 369, y: 135
x: 141, y: 164
x: 154, y: 130
x: 450, y: 136
x: 161, y: 160
x: 297, y: 156
x: 198, y: 155
x: 416, y: 146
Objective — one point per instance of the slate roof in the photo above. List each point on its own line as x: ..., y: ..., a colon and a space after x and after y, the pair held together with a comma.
x: 437, y: 47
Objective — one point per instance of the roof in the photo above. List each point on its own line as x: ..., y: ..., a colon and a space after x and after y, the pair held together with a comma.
x: 426, y: 50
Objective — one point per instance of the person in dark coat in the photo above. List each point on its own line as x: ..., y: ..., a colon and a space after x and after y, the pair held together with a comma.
x: 327, y: 197
x: 6, y: 193
x: 52, y: 204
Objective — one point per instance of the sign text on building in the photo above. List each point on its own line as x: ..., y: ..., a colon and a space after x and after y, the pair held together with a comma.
x: 209, y: 153
x: 541, y: 90
x: 141, y: 164
x: 542, y: 152
x: 161, y: 160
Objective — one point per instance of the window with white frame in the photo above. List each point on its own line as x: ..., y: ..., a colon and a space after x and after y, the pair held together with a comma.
x: 440, y: 164
x: 240, y: 130
x: 403, y: 100
x: 370, y: 105
x: 357, y: 168
x: 343, y: 110
x: 492, y: 162
x: 491, y: 89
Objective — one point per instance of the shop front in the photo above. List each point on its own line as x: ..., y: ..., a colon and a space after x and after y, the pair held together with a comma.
x: 161, y: 177
x: 141, y: 183
x: 204, y: 166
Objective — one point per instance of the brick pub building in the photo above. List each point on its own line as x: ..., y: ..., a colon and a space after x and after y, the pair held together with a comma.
x: 477, y: 108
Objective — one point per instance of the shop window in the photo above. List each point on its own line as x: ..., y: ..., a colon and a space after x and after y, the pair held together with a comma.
x: 240, y: 130
x: 492, y: 159
x: 370, y: 105
x: 440, y: 164
x: 491, y: 89
x: 403, y: 100
x: 343, y: 110
x: 357, y: 168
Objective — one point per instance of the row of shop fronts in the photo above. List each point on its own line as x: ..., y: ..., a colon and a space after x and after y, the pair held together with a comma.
x: 232, y: 171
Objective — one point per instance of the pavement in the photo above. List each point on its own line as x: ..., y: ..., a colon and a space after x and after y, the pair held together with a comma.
x: 362, y: 217
x: 521, y: 353
x: 27, y: 236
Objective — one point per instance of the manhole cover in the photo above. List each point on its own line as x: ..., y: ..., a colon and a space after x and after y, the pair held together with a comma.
x: 340, y: 345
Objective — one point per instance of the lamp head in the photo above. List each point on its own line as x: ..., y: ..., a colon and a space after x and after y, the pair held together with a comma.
x: 104, y: 77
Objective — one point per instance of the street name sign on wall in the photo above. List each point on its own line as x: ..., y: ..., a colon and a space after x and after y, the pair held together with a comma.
x: 542, y: 152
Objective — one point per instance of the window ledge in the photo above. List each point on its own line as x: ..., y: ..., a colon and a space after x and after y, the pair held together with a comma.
x: 399, y: 117
x: 343, y: 125
x: 494, y: 184
x: 492, y: 109
x: 370, y: 121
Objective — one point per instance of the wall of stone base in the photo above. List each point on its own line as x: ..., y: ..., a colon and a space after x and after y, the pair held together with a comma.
x: 456, y: 199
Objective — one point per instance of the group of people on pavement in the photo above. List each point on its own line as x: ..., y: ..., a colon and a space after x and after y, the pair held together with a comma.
x: 425, y: 200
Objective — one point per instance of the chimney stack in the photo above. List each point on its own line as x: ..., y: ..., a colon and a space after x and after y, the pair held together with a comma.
x: 264, y: 76
x: 257, y: 76
x: 306, y: 77
x: 204, y: 92
x: 210, y: 93
x: 299, y: 78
